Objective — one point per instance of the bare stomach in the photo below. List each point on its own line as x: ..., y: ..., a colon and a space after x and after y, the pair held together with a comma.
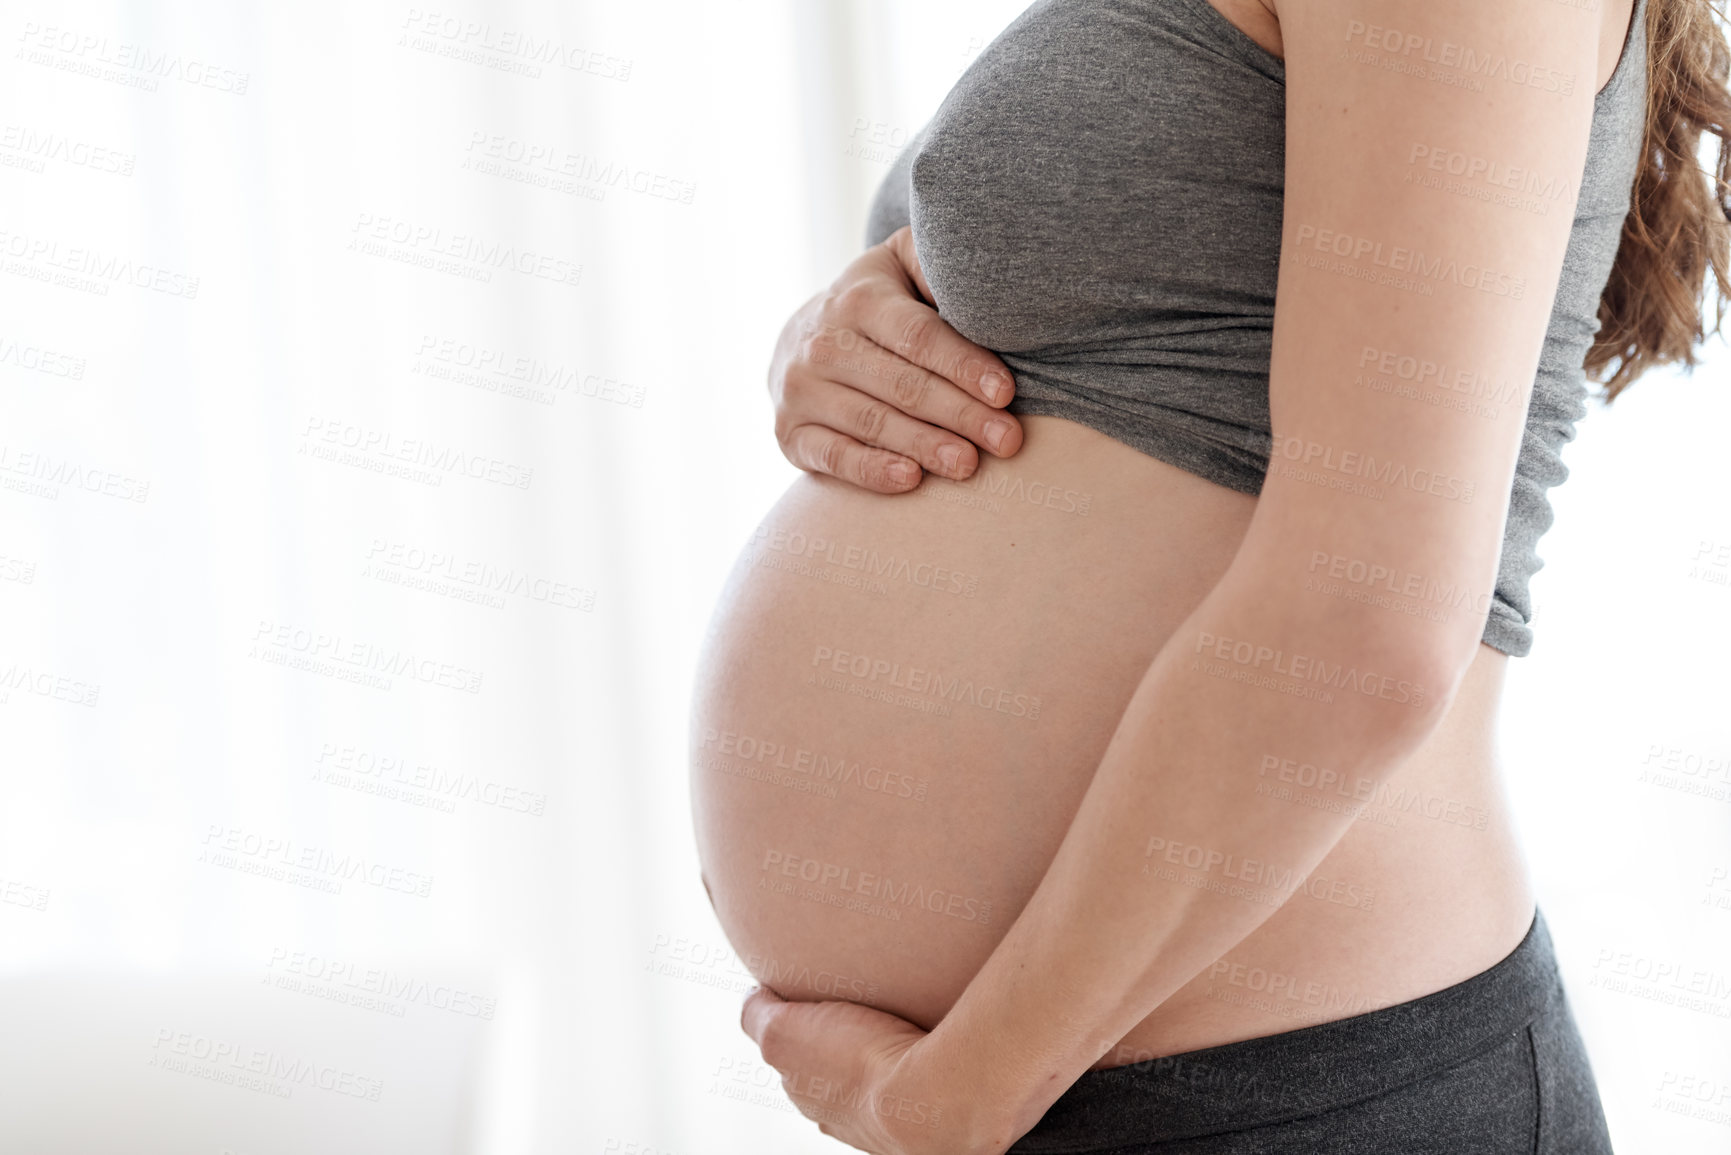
x: 902, y: 700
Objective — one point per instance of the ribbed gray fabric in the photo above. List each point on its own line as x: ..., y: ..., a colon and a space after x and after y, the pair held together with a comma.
x: 1493, y: 1065
x: 1099, y: 200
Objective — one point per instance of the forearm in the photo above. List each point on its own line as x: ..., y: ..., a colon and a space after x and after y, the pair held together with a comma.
x: 1173, y: 856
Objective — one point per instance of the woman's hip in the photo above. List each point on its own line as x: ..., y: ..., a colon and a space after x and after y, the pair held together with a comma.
x: 1492, y: 1064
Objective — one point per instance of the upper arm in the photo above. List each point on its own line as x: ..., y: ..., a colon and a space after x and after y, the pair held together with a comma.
x: 1399, y: 278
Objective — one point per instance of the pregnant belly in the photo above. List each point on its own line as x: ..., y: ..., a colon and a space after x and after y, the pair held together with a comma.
x: 902, y: 700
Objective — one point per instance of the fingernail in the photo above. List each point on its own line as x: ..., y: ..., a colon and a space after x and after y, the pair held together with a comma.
x: 997, y: 431
x: 996, y: 386
x: 902, y: 473
x: 951, y: 456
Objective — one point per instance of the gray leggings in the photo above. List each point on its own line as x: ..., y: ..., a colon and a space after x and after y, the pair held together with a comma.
x: 1490, y: 1065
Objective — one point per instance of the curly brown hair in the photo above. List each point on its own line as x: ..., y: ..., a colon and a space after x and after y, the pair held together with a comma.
x: 1678, y: 229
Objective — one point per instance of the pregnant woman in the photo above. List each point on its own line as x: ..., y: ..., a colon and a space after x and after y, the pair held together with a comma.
x: 1133, y: 787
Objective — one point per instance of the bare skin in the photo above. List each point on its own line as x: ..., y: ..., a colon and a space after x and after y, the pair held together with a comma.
x: 1010, y: 584
x: 1102, y: 592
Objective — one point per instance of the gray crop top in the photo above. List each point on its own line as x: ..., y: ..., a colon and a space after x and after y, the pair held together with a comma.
x: 1098, y: 200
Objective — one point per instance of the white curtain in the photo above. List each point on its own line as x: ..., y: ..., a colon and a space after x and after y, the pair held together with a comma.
x: 381, y: 404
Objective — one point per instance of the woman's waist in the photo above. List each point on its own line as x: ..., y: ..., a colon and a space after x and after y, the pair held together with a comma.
x: 1426, y: 888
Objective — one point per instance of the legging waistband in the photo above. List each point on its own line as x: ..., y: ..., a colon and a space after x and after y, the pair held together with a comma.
x: 1280, y: 1077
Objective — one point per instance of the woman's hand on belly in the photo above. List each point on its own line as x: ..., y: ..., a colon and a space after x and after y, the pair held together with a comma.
x: 857, y: 1073
x: 870, y: 384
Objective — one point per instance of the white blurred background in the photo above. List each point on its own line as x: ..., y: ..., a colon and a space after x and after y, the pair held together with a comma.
x: 381, y: 404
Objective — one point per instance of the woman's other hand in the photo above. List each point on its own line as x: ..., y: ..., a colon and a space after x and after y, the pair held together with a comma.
x: 870, y: 385
x: 860, y: 1075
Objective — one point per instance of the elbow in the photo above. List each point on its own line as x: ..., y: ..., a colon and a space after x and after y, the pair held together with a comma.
x: 1443, y: 669
x: 1389, y: 678
x: 1424, y: 675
